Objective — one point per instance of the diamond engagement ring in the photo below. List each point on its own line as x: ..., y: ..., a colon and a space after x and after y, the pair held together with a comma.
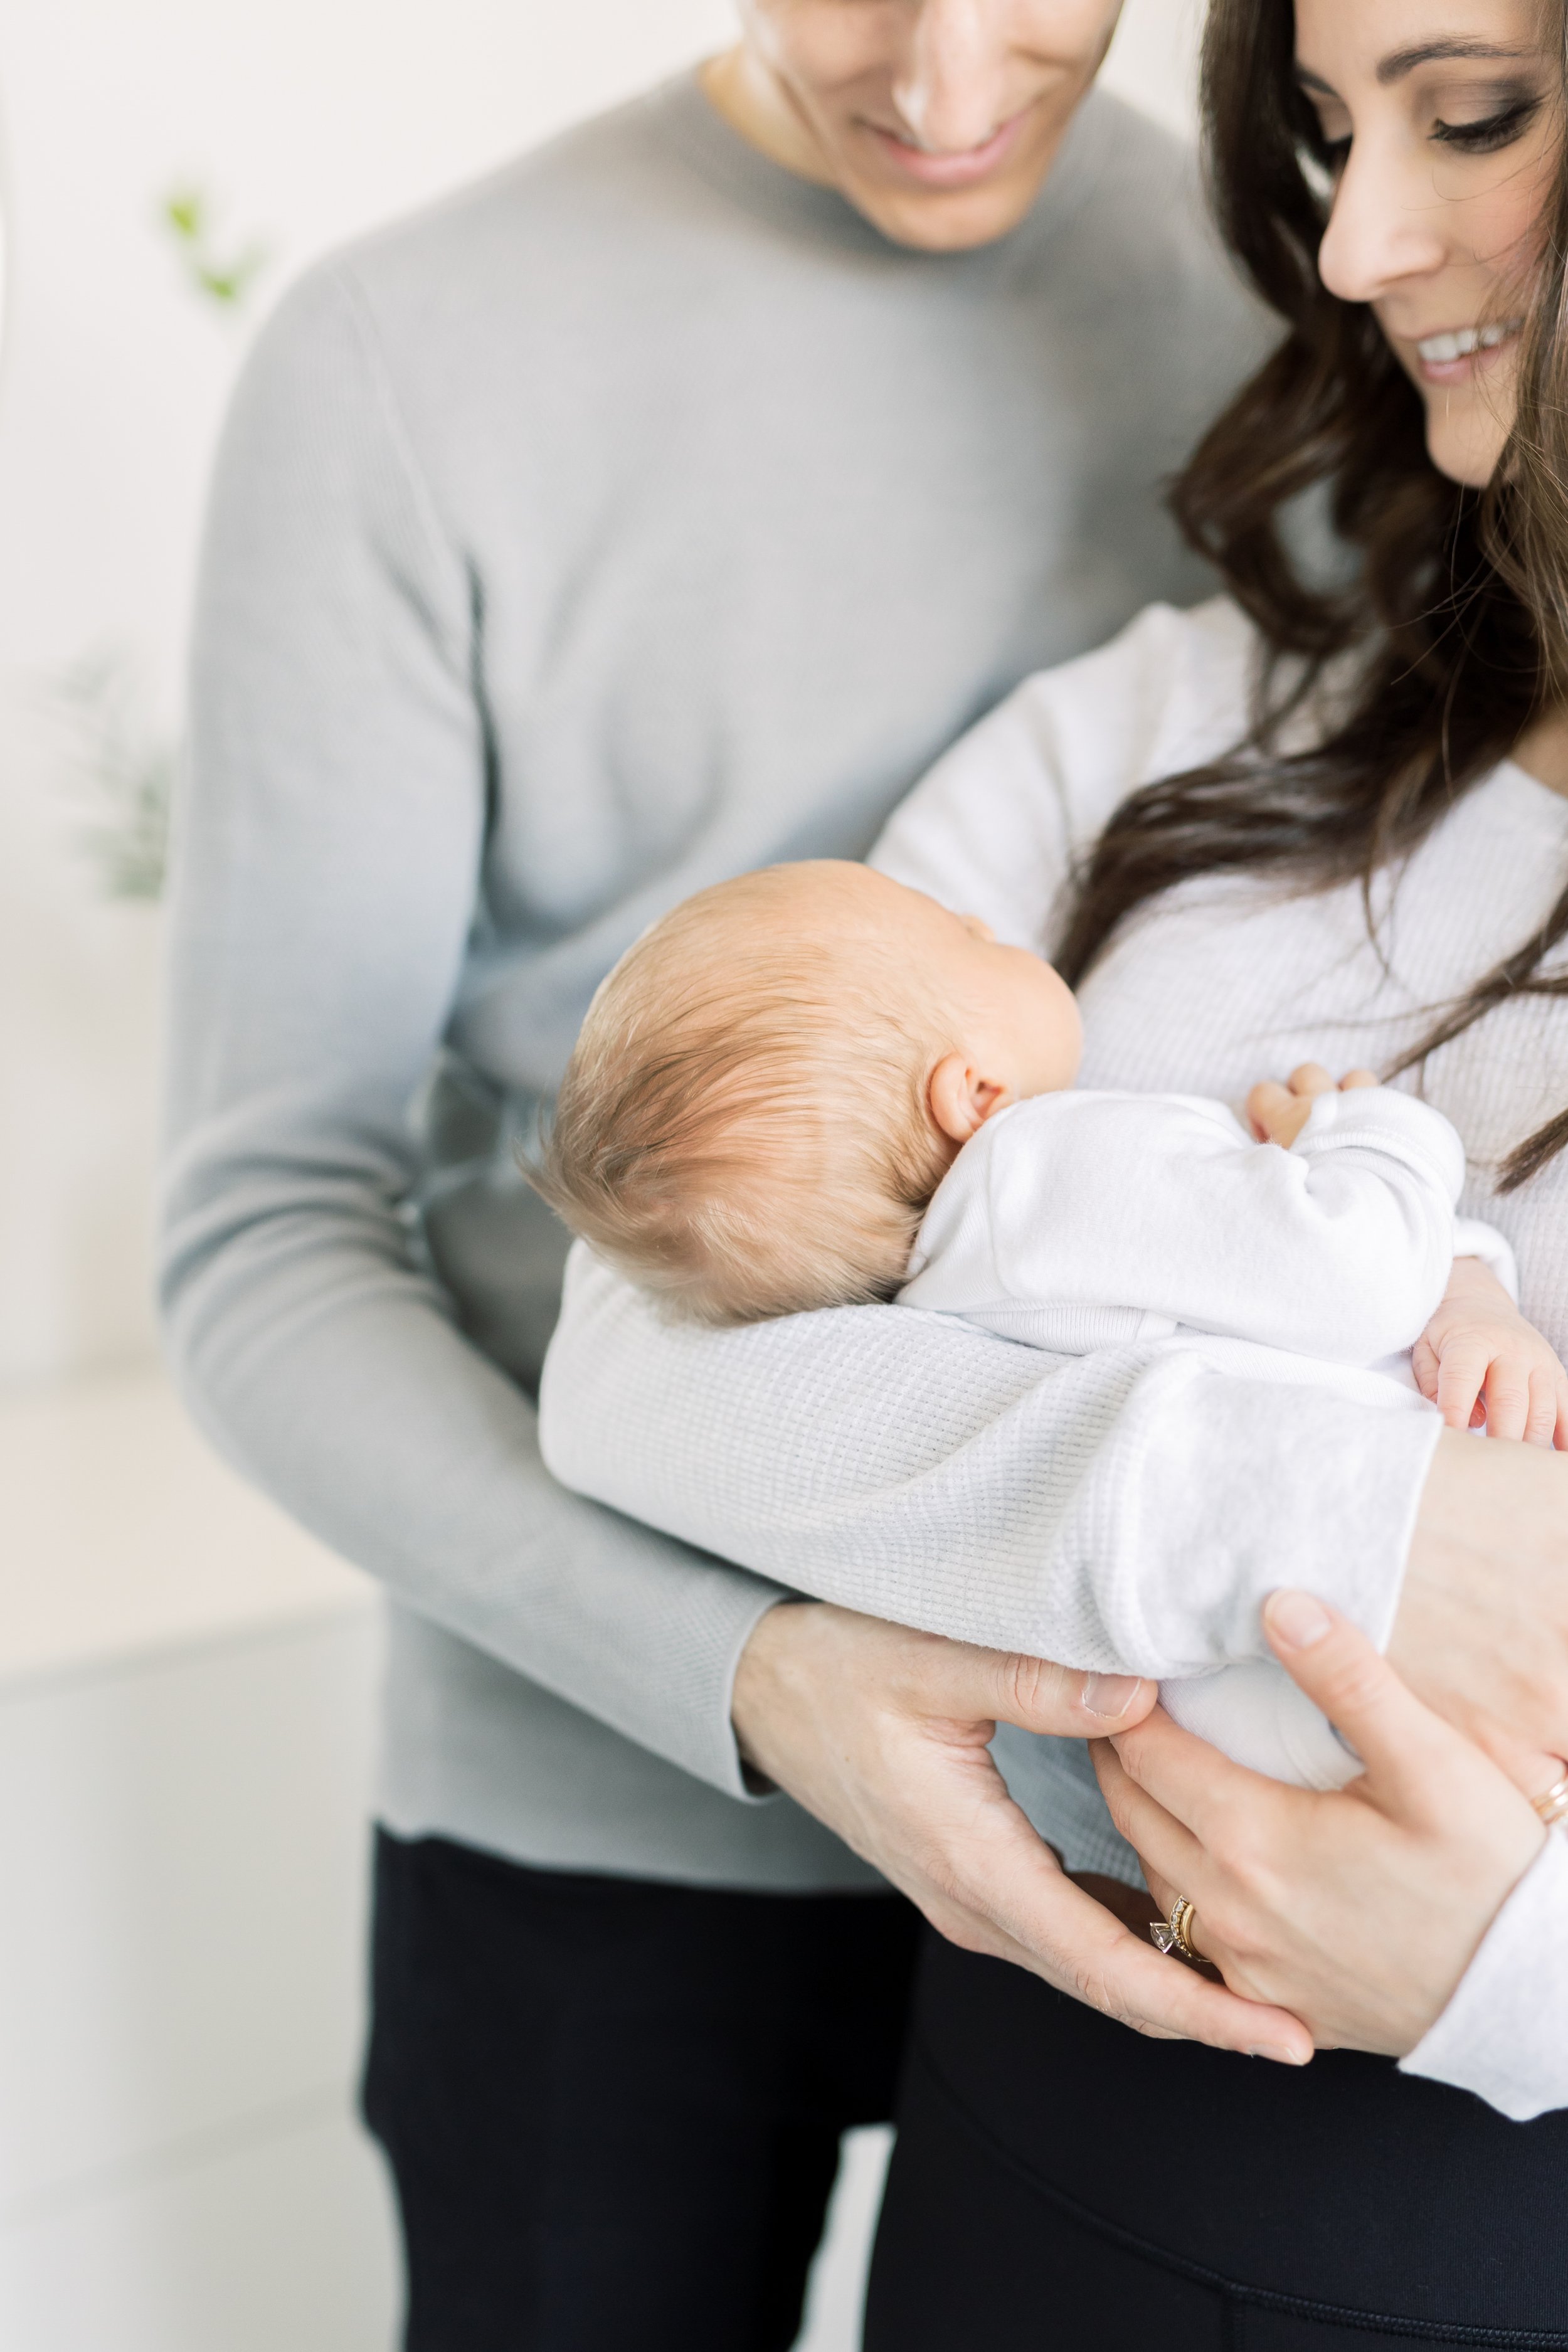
x: 1553, y: 1806
x: 1170, y: 1934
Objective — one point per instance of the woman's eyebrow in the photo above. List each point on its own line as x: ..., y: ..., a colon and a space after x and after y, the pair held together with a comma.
x: 1399, y: 62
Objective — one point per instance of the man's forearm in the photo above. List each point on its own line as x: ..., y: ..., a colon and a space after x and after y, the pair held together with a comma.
x: 376, y: 1423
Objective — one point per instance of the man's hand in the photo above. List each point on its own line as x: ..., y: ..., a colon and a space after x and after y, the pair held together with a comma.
x: 1480, y: 1362
x: 1278, y: 1113
x: 883, y: 1734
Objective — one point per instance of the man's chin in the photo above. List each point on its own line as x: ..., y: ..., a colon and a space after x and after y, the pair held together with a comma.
x: 947, y: 220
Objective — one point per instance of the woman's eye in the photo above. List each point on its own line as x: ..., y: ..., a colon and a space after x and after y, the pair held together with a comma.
x: 1328, y: 143
x: 1494, y: 130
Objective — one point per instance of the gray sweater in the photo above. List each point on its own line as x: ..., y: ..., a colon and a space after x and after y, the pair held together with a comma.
x: 634, y: 518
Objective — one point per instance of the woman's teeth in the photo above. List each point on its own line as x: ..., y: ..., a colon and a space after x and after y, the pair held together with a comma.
x: 1438, y: 349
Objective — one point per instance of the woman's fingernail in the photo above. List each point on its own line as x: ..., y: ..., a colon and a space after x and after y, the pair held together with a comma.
x: 1110, y: 1695
x: 1298, y: 1619
x: 1277, y: 2052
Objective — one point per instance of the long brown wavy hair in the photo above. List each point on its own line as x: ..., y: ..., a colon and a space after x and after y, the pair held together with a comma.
x: 1458, y: 609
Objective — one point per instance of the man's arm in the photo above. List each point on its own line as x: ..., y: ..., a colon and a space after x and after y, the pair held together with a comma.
x: 327, y: 865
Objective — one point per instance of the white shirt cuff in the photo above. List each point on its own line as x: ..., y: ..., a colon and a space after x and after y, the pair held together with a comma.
x: 1472, y: 1239
x: 1504, y: 2034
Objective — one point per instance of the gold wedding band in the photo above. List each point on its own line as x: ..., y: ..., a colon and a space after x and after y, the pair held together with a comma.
x: 1552, y: 1806
x: 1170, y: 1934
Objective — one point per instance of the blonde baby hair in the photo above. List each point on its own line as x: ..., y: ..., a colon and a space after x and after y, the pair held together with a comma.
x: 742, y: 1125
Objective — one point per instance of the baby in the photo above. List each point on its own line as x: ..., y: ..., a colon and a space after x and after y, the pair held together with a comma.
x: 813, y: 1086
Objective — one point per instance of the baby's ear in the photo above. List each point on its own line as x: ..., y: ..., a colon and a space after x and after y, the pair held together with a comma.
x: 959, y: 1100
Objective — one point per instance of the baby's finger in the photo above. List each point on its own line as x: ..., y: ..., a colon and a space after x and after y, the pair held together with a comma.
x: 1462, y: 1366
x: 1424, y: 1364
x: 1311, y: 1078
x: 1265, y: 1103
x: 1507, y: 1398
x: 1353, y: 1078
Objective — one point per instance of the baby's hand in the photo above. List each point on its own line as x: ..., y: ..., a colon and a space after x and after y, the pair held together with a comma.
x: 1277, y: 1114
x: 1478, y: 1361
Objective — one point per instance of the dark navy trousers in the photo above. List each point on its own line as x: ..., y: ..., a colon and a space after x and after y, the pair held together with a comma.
x: 612, y: 2108
x: 1060, y: 2184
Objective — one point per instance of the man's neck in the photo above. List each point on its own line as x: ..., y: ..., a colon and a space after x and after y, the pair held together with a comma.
x: 739, y: 86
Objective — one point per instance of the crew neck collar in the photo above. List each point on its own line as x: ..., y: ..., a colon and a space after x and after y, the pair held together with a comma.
x: 687, y: 118
x: 1540, y: 802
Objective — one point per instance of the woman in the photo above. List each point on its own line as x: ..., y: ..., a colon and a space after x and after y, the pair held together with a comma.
x: 1046, y: 2160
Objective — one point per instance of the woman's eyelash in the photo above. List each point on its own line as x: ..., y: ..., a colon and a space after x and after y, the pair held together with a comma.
x: 1483, y: 138
x: 1496, y: 130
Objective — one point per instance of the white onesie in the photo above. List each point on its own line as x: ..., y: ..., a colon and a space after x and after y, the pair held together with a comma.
x: 1079, y: 1221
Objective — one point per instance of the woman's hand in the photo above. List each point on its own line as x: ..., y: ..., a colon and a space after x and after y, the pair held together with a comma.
x: 882, y: 1734
x: 1358, y: 1911
x: 1480, y: 1362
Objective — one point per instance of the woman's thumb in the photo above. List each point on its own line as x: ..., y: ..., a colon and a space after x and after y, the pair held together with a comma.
x: 1341, y: 1672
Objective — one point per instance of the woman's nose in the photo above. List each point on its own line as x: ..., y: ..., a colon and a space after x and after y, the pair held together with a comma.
x: 949, y: 86
x: 1384, y: 228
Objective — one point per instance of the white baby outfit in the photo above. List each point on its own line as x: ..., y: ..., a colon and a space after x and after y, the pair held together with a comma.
x: 1089, y: 1220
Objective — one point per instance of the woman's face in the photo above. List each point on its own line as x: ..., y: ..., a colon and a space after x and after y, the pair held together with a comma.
x: 1444, y: 118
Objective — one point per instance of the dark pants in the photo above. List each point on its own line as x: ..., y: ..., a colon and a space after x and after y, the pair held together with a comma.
x: 1062, y: 2185
x: 612, y: 2108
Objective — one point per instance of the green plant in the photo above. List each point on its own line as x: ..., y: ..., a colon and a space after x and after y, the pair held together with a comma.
x: 226, y: 279
x: 122, y: 770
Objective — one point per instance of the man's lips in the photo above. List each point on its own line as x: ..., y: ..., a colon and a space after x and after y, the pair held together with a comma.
x: 961, y: 170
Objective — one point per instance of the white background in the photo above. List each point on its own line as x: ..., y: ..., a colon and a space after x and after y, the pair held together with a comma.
x: 307, y: 120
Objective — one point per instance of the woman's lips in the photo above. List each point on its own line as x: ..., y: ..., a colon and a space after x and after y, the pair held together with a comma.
x: 1458, y: 353
x: 936, y: 170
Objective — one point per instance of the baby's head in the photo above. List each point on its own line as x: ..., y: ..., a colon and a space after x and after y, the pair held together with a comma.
x: 773, y: 1082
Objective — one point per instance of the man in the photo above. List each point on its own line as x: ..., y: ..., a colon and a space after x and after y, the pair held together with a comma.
x: 659, y: 508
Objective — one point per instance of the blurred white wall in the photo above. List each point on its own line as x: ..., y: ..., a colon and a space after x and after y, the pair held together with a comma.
x: 305, y: 120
